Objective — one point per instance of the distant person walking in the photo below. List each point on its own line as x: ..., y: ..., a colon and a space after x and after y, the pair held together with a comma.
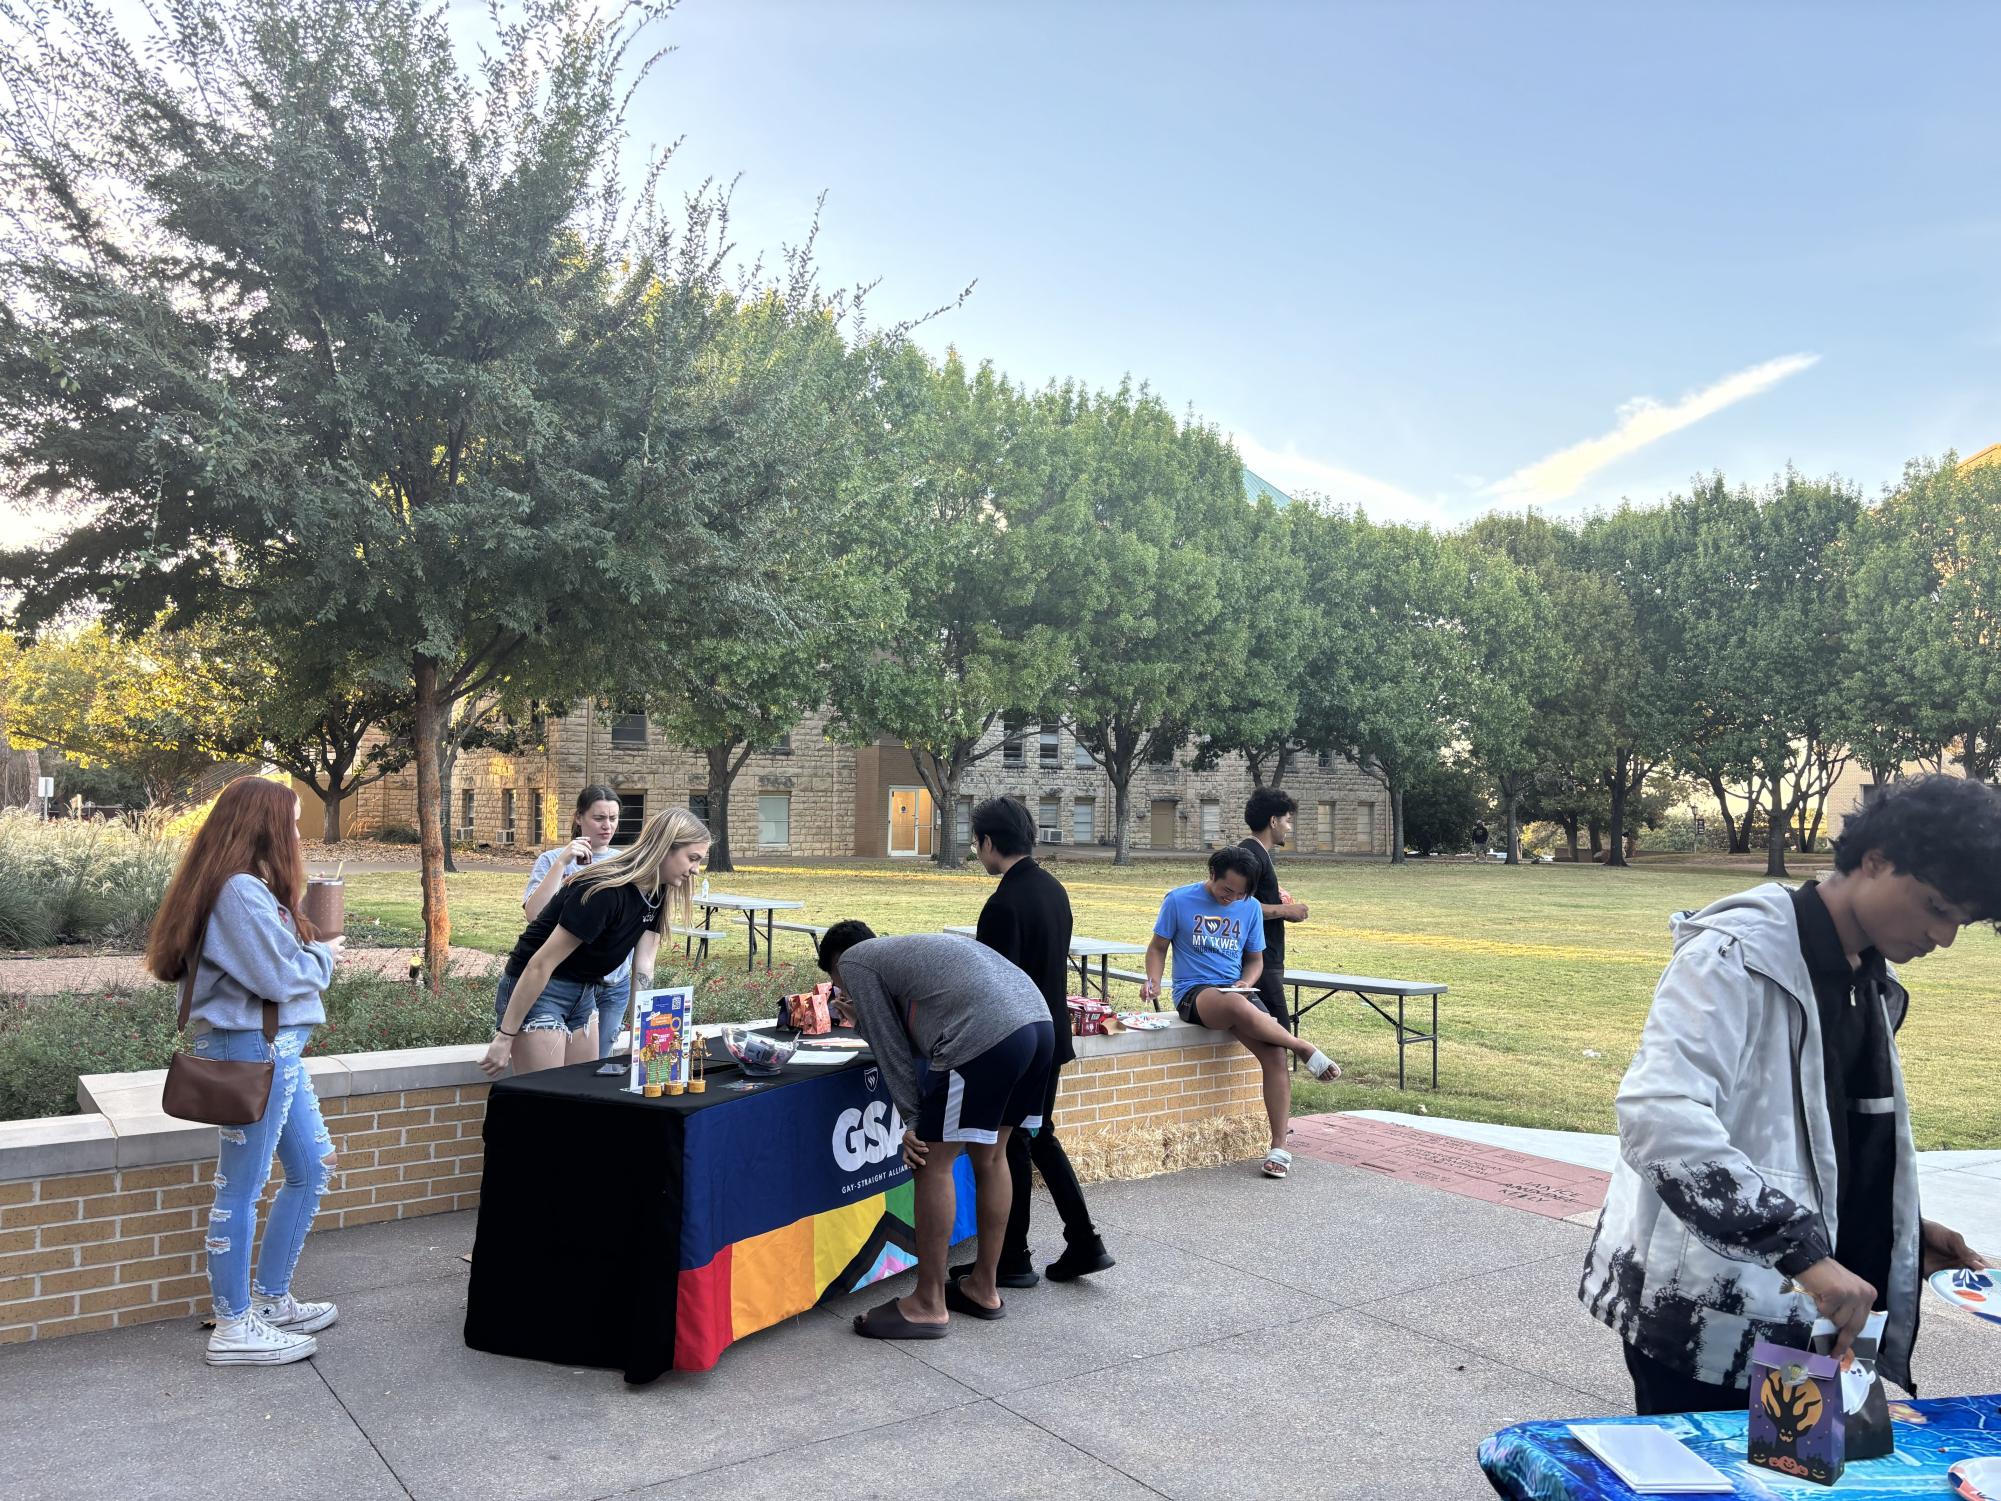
x: 1027, y: 921
x: 232, y: 916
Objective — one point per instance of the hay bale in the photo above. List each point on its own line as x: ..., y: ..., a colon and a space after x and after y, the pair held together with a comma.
x: 1144, y: 1151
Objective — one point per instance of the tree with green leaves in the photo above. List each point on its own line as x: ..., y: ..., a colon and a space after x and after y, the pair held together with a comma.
x: 967, y: 542
x: 1257, y: 712
x: 138, y: 705
x: 1759, y: 583
x: 1394, y: 695
x: 1149, y: 527
x: 1924, y: 614
x: 372, y: 347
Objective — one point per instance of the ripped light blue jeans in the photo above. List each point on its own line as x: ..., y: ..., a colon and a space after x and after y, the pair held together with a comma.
x: 292, y: 1125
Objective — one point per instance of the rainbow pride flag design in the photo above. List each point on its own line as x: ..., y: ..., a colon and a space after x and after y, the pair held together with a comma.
x: 787, y: 1205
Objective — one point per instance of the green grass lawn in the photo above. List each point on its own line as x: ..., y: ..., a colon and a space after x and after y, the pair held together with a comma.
x: 1548, y: 966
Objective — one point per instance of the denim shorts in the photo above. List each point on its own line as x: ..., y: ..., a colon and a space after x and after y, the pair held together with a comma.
x: 563, y: 1005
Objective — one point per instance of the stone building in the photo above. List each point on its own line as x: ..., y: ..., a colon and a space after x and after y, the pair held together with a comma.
x: 812, y: 797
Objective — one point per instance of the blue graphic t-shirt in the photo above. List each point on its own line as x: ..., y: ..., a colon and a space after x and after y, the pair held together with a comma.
x: 1210, y: 938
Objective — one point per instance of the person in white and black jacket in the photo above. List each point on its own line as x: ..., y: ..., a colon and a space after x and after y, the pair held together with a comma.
x: 1767, y: 1172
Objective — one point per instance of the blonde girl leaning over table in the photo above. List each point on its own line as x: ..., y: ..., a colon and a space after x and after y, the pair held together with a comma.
x: 612, y: 910
x: 231, y: 914
x: 591, y: 829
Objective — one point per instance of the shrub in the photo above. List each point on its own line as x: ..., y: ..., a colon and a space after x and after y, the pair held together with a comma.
x: 397, y: 833
x: 46, y: 1042
x: 72, y: 880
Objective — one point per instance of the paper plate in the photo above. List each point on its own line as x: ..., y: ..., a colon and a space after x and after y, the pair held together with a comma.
x: 1977, y: 1479
x: 1978, y: 1293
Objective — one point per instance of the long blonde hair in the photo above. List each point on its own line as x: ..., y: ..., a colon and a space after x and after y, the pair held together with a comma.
x: 638, y: 864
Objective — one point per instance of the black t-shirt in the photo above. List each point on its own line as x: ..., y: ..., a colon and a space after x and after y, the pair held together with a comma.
x: 1266, y: 891
x: 607, y: 926
x: 1861, y: 1090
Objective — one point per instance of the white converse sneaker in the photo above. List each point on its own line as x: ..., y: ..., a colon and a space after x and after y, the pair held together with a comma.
x: 251, y: 1341
x: 293, y: 1317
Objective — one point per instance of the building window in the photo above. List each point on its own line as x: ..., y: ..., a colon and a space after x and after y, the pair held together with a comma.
x: 782, y: 746
x: 698, y: 804
x: 962, y: 825
x: 1161, y: 753
x: 1083, y: 820
x: 463, y: 832
x: 1327, y: 826
x: 774, y: 820
x: 1012, y: 730
x: 1366, y: 819
x: 631, y: 817
x: 629, y: 729
x: 535, y: 816
x: 1324, y: 760
x: 1082, y: 758
x: 1049, y: 820
x: 1049, y: 746
x: 1212, y: 820
x: 507, y: 815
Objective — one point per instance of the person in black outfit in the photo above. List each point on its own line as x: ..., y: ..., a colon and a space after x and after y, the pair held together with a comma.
x: 1269, y: 814
x: 1027, y: 921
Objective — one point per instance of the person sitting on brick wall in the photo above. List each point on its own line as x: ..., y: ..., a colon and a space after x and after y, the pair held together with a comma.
x: 1215, y: 930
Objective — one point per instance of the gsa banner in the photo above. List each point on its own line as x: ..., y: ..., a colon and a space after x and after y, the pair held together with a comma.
x: 792, y: 1195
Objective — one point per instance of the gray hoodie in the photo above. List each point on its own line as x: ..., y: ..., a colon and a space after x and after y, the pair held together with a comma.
x: 1727, y: 1166
x: 934, y: 996
x: 251, y: 954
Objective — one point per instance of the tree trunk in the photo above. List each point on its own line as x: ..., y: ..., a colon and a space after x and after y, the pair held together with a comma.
x: 949, y: 854
x: 1595, y: 831
x: 1722, y: 791
x: 1776, y: 820
x: 1615, y: 834
x: 330, y: 814
x: 1514, y: 800
x: 720, y: 777
x: 448, y: 765
x: 1122, y: 853
x: 1396, y: 824
x: 430, y: 834
x: 1570, y: 833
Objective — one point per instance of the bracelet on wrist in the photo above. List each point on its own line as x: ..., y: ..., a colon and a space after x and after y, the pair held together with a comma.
x: 505, y: 1033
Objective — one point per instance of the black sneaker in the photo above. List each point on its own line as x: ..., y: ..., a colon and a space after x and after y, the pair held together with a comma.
x: 1025, y: 1276
x: 1080, y: 1261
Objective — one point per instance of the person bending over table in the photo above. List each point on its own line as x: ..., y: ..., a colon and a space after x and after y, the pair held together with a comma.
x: 544, y: 1008
x: 1766, y: 1168
x: 964, y: 1040
x: 1216, y: 932
x: 591, y: 829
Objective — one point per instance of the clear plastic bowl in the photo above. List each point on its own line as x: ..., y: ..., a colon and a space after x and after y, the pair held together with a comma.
x: 758, y: 1053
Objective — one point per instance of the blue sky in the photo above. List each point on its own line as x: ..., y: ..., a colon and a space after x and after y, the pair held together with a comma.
x: 1431, y: 258
x: 1427, y: 258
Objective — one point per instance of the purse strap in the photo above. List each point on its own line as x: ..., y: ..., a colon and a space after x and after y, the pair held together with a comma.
x: 188, y: 992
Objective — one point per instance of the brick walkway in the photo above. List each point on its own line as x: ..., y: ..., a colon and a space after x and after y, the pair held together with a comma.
x: 1474, y: 1170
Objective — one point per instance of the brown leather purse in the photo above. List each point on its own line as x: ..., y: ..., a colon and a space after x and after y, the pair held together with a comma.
x: 218, y: 1091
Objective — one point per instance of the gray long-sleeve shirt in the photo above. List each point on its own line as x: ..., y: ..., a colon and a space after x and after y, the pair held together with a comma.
x: 934, y: 996
x: 252, y: 954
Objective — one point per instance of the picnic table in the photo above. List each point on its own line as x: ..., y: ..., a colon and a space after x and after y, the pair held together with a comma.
x: 1082, y: 952
x: 1366, y: 989
x: 749, y: 906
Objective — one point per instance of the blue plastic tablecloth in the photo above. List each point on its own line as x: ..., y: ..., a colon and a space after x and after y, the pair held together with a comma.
x: 1540, y: 1461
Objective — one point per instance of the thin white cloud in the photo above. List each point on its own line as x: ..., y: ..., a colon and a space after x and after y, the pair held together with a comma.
x: 1641, y: 421
x: 1293, y: 472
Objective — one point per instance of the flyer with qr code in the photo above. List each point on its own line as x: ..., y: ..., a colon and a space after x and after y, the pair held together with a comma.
x: 660, y: 1023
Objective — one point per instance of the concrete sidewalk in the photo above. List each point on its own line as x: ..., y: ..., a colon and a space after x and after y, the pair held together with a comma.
x: 1340, y: 1334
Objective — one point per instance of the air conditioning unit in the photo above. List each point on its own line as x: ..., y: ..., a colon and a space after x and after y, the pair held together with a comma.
x: 462, y: 836
x: 1050, y: 836
x: 507, y: 836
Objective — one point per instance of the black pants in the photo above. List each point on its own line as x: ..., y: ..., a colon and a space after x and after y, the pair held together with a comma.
x: 1047, y: 1154
x: 1271, y: 994
x: 1659, y: 1390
